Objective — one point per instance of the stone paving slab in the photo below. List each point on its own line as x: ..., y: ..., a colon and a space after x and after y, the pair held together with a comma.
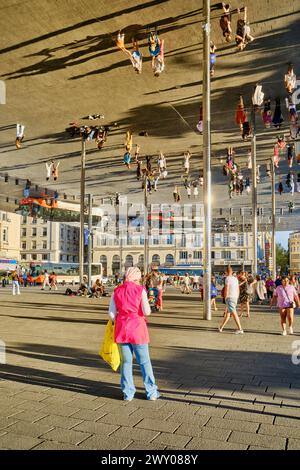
x: 271, y: 442
x: 17, y: 442
x: 66, y: 436
x: 293, y: 444
x: 218, y: 391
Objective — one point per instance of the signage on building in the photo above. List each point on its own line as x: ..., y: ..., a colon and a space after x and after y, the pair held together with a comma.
x: 8, y: 264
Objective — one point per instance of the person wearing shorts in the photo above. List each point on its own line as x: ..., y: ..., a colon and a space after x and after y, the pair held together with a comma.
x: 287, y: 298
x: 231, y: 295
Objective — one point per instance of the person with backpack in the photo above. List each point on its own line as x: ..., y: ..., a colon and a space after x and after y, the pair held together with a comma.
x: 128, y: 308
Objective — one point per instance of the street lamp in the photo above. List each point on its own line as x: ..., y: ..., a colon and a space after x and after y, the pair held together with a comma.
x: 206, y: 162
x: 273, y: 219
x: 257, y: 100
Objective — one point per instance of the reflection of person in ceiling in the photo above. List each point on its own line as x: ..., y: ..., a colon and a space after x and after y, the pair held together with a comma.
x: 135, y: 57
x: 128, y: 142
x: 158, y: 62
x: 225, y: 22
x: 55, y: 170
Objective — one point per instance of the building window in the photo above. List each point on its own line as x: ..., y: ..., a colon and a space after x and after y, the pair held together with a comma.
x: 45, y: 257
x: 24, y: 219
x: 128, y: 261
x: 34, y: 221
x: 183, y: 255
x: 170, y: 259
x: 241, y: 239
x: 44, y: 232
x: 226, y: 254
x: 44, y: 245
x: 24, y: 245
x: 61, y: 258
x: 34, y: 257
x: 156, y: 260
x: 74, y: 259
x: 24, y: 232
x: 197, y: 254
x: 34, y: 232
x: 23, y: 257
x: 5, y: 234
x: 33, y: 245
x: 226, y: 240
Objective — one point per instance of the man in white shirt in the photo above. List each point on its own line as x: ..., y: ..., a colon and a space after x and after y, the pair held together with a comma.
x: 231, y: 296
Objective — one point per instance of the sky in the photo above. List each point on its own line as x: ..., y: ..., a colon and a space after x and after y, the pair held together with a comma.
x: 282, y: 238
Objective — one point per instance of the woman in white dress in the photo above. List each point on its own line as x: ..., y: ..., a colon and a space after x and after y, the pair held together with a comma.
x: 260, y: 289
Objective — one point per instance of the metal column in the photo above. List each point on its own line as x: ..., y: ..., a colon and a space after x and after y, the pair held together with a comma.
x: 82, y: 201
x: 274, y: 270
x: 90, y: 238
x: 254, y: 193
x: 206, y: 162
x: 146, y: 230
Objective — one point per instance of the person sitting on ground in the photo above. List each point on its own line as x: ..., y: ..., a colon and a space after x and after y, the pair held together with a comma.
x: 97, y: 289
x: 84, y: 290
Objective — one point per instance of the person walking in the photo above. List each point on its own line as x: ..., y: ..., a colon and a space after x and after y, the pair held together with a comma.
x: 15, y: 283
x: 294, y: 282
x: 46, y: 281
x: 48, y: 170
x: 128, y: 307
x: 214, y: 293
x: 186, y: 284
x: 53, y: 281
x: 231, y: 295
x: 186, y: 162
x: 19, y: 135
x: 290, y: 79
x: 55, y: 170
x: 287, y: 298
x: 244, y: 294
x: 270, y: 286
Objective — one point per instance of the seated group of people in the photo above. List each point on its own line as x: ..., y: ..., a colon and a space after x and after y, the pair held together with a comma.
x: 97, y: 290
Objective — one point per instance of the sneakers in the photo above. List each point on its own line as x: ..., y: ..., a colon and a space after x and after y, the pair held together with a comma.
x: 128, y: 398
x: 154, y: 397
x: 284, y: 333
x: 220, y: 330
x: 239, y: 332
x: 291, y: 330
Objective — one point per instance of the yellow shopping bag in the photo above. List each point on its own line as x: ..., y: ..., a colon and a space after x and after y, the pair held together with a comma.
x: 109, y: 350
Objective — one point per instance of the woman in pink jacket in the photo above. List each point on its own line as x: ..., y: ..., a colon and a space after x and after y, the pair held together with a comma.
x: 128, y: 307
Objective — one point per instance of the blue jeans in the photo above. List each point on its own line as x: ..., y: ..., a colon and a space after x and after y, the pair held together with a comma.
x: 141, y: 352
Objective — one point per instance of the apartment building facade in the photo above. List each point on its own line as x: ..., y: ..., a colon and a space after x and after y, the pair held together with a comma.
x: 9, y: 236
x: 294, y: 252
x: 49, y: 241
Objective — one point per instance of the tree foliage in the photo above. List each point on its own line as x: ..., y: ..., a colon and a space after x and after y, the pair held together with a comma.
x: 282, y: 258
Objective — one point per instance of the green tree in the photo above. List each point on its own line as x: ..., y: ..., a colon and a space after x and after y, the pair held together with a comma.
x: 282, y: 258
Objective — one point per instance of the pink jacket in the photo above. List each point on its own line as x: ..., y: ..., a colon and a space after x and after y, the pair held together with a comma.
x: 131, y: 326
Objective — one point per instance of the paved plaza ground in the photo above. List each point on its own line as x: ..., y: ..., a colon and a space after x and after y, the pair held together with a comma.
x: 219, y: 391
